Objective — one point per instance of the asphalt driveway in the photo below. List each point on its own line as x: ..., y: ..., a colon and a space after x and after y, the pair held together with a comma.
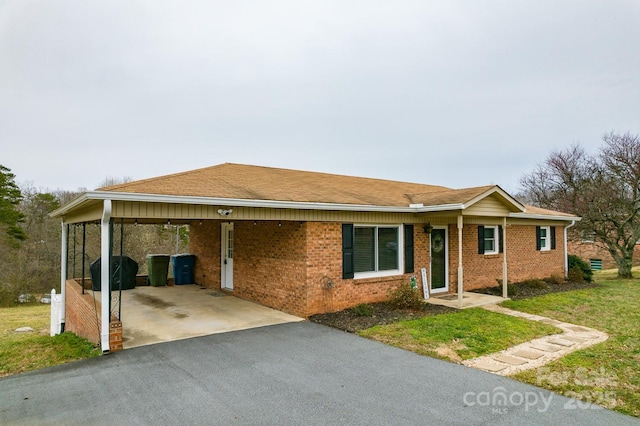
x: 288, y: 374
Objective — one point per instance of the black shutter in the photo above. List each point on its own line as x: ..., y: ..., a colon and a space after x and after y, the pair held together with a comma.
x: 538, y: 242
x: 408, y: 249
x: 347, y: 250
x: 480, y: 239
x: 501, y: 239
x: 553, y: 237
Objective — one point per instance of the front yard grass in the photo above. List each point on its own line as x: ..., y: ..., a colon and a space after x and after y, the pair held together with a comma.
x: 607, y: 374
x: 460, y: 335
x: 32, y: 350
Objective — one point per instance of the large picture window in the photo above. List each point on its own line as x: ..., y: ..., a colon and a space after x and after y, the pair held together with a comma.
x: 376, y: 249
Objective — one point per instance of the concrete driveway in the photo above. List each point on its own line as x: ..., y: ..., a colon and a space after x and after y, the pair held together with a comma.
x: 288, y: 374
x: 161, y: 314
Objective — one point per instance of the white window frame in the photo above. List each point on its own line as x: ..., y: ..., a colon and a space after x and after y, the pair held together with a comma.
x: 496, y: 239
x: 545, y: 242
x: 388, y: 273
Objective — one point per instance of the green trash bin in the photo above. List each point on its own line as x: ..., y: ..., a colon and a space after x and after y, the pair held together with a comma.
x: 158, y: 268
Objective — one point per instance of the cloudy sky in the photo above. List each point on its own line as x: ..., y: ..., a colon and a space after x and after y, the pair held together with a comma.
x: 454, y: 93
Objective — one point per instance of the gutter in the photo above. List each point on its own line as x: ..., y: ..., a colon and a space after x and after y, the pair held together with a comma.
x: 566, y: 254
x: 241, y: 202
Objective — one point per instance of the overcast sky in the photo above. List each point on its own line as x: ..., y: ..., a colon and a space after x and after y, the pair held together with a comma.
x: 453, y: 93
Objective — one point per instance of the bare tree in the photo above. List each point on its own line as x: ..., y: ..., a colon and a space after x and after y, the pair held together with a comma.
x: 604, y: 189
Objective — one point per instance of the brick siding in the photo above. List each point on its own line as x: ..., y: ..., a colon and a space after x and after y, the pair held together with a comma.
x: 296, y: 267
x: 83, y: 317
x: 523, y: 260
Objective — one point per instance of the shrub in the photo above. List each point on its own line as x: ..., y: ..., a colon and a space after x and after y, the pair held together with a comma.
x: 534, y: 283
x: 576, y: 262
x: 363, y: 310
x: 576, y: 275
x: 555, y: 279
x: 405, y: 297
x: 512, y: 289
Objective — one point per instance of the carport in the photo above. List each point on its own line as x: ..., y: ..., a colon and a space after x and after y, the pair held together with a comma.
x: 146, y: 314
x: 160, y: 314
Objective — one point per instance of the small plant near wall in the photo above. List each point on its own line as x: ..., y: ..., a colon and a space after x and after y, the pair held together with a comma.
x: 363, y: 310
x: 406, y: 297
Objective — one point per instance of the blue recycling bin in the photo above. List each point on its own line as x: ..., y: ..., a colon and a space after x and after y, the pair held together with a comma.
x: 183, y: 268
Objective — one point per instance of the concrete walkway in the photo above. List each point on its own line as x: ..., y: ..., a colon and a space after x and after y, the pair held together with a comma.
x: 536, y: 352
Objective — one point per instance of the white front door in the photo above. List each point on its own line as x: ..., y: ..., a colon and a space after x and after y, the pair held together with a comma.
x: 227, y: 256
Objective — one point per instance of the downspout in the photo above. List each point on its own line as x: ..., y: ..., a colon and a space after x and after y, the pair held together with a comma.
x: 460, y: 269
x: 505, y: 278
x: 105, y: 286
x: 566, y: 254
x: 64, y: 256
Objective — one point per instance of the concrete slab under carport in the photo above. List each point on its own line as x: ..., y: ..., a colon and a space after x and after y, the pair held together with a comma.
x: 160, y: 314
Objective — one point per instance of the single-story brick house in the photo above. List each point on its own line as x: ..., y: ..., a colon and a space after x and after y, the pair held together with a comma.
x: 306, y: 242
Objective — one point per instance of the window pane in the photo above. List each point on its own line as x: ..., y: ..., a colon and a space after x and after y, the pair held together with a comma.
x: 364, y: 250
x: 387, y: 249
x: 489, y: 239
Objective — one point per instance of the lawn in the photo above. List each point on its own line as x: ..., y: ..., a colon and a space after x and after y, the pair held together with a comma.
x: 459, y: 335
x: 608, y: 373
x: 26, y: 351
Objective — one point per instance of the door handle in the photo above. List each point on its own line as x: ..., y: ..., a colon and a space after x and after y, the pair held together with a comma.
x: 225, y: 261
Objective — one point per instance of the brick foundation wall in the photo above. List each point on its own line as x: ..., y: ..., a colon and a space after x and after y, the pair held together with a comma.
x: 589, y: 250
x: 81, y: 318
x: 80, y: 313
x: 523, y: 260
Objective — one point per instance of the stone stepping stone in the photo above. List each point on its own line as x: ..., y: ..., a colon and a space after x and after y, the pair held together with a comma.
x: 551, y: 321
x: 562, y: 342
x: 510, y: 359
x: 578, y: 329
x: 489, y: 366
x: 525, y: 353
x: 575, y: 339
x: 544, y: 347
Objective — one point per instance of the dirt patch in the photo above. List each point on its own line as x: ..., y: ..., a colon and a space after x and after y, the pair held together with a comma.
x: 152, y: 301
x: 449, y: 351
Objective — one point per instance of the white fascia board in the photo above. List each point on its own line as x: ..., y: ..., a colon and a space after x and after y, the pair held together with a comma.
x: 73, y: 203
x: 240, y: 202
x: 544, y: 217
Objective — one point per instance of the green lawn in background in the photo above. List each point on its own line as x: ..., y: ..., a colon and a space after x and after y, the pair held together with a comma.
x: 607, y: 374
x: 26, y: 351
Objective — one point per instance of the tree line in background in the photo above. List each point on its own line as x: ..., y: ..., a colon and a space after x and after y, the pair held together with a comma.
x: 30, y: 240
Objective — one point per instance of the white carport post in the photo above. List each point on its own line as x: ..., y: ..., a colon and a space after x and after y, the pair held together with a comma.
x: 105, y: 285
x: 64, y: 260
x: 504, y: 258
x: 460, y: 270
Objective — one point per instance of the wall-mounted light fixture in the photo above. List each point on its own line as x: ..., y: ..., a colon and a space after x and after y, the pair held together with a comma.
x: 428, y: 228
x: 225, y: 212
